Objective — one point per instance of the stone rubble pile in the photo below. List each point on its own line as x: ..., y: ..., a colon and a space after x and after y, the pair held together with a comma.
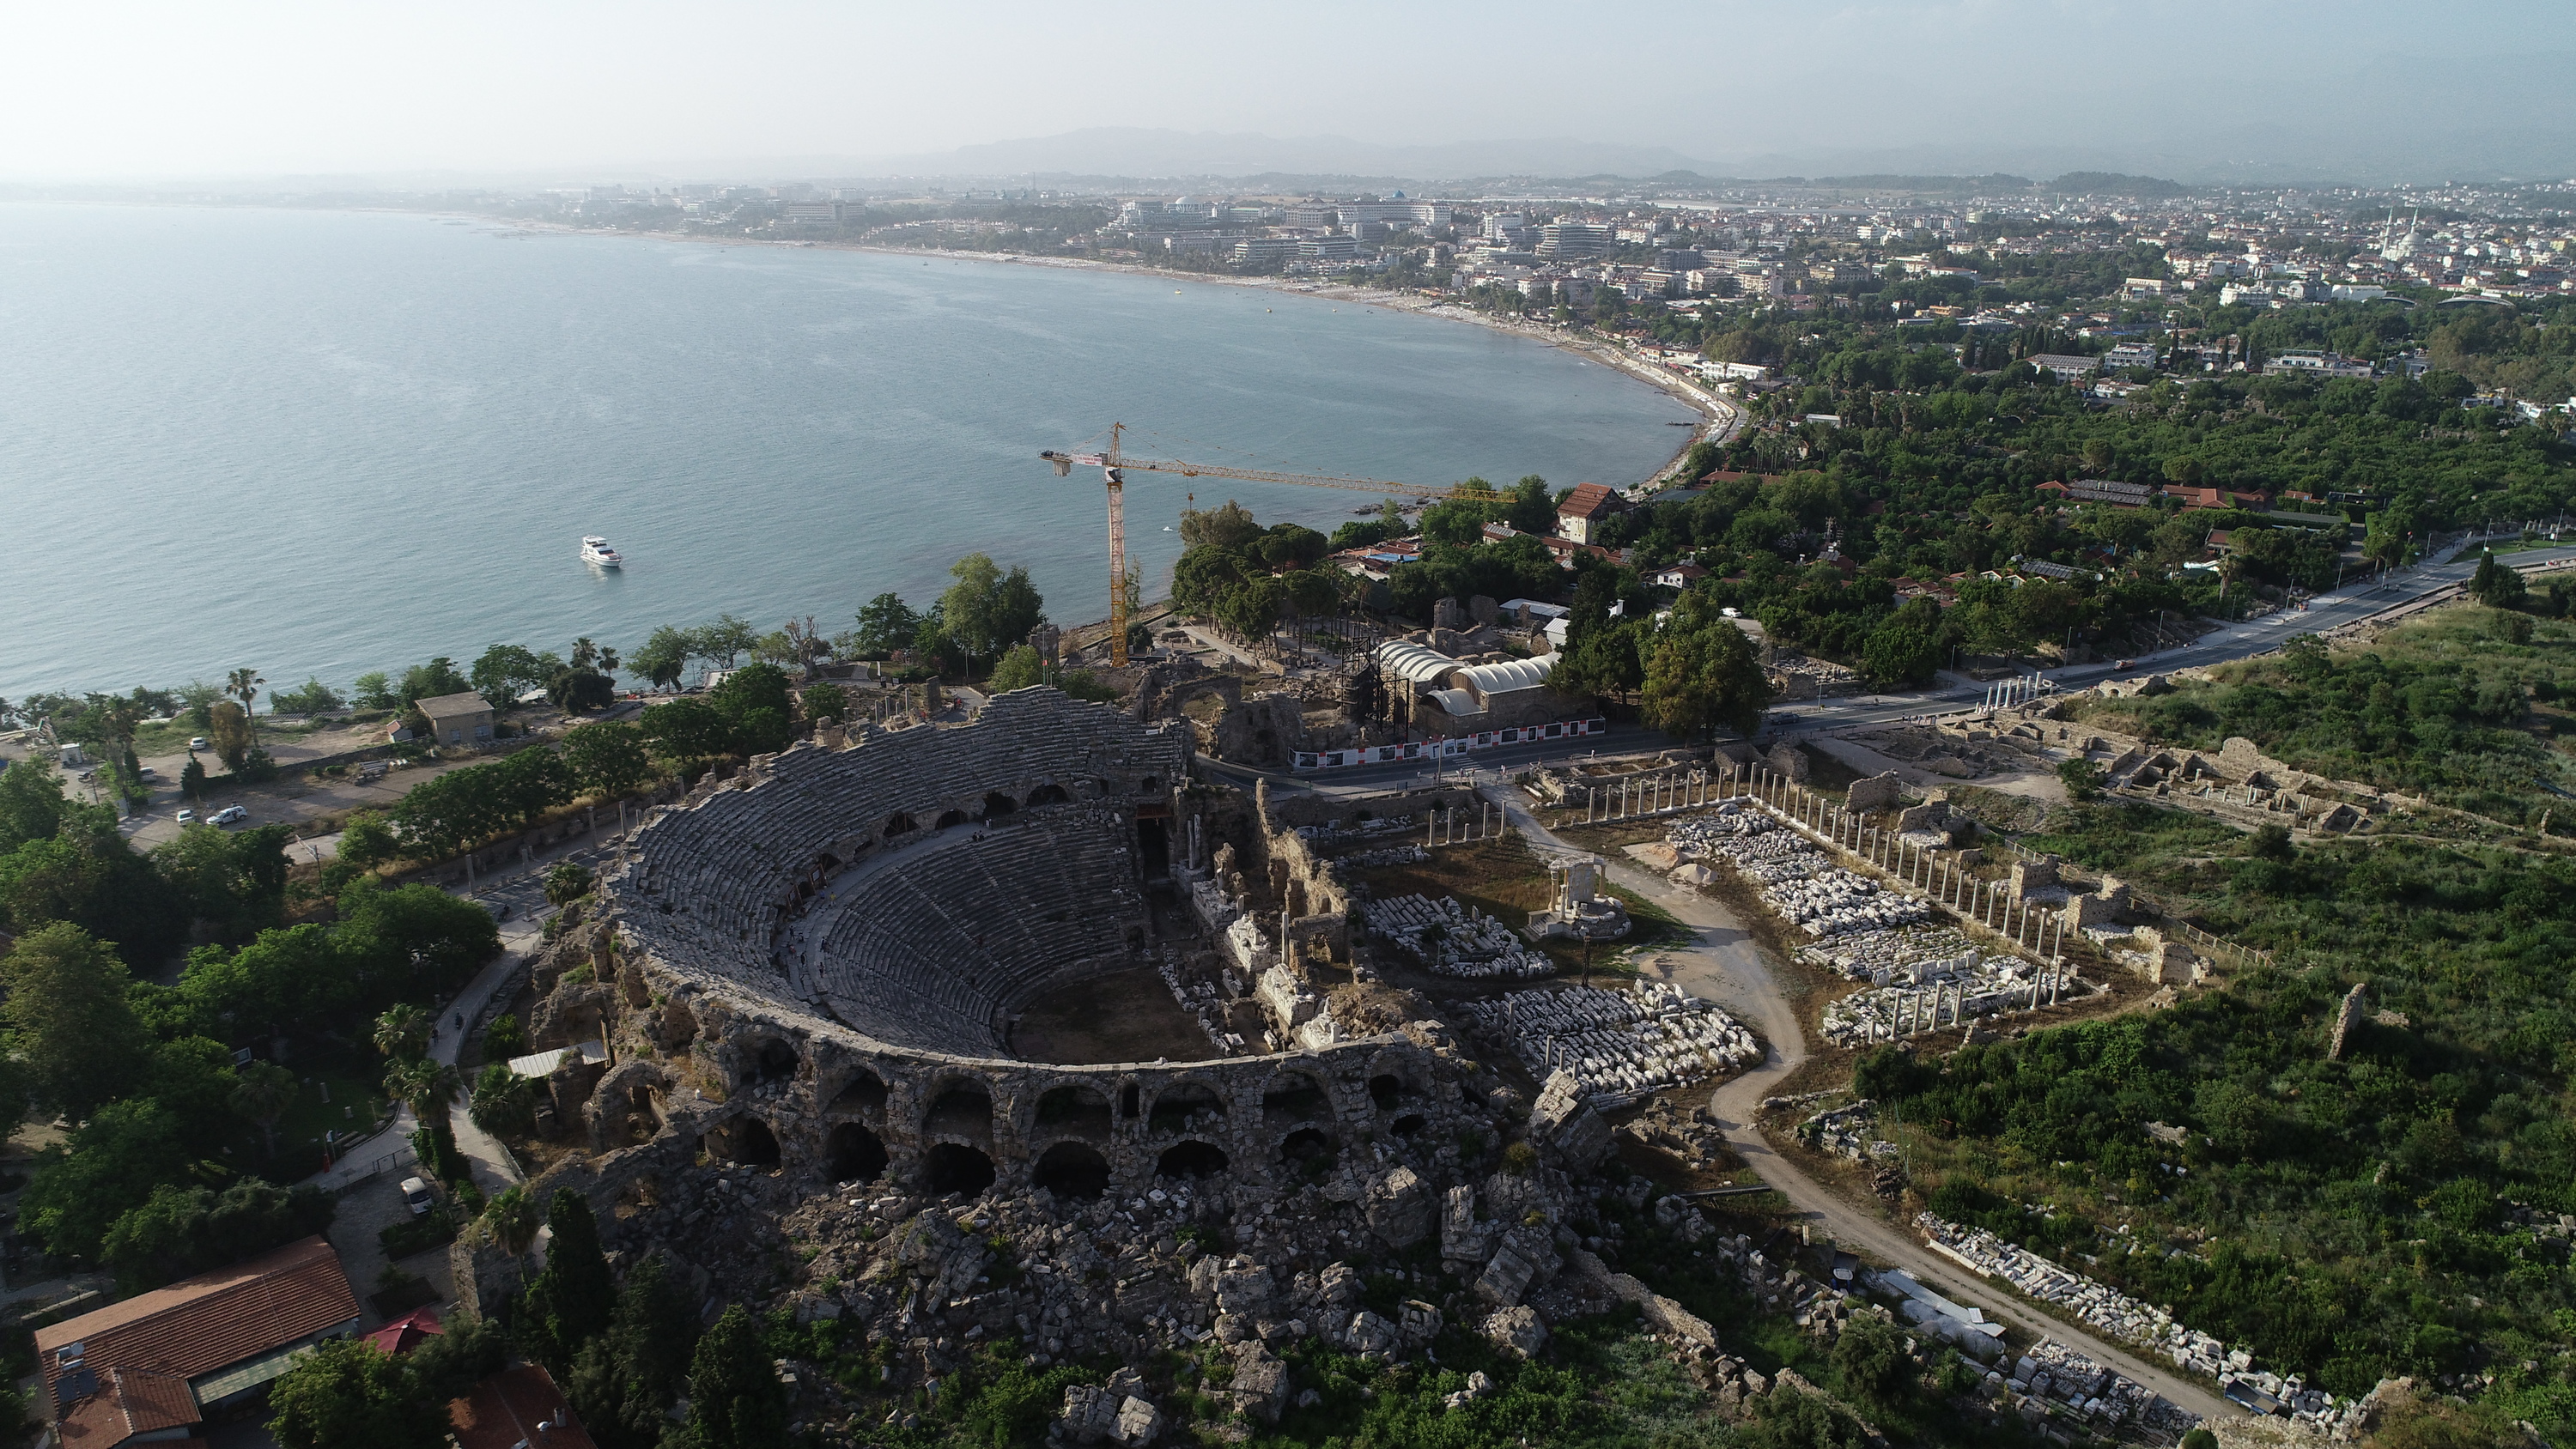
x: 2063, y: 1378
x: 1451, y: 940
x: 1390, y: 855
x: 1845, y: 1132
x: 1619, y: 1045
x: 1913, y: 953
x: 1933, y: 994
x: 1202, y: 1000
x: 1798, y: 881
x: 2123, y: 1317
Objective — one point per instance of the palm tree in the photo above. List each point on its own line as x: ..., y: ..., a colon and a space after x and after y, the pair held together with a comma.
x: 427, y: 1087
x: 262, y: 1091
x: 402, y: 1032
x: 511, y: 1218
x: 243, y: 684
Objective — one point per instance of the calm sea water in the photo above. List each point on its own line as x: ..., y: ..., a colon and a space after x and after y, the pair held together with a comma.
x: 320, y: 443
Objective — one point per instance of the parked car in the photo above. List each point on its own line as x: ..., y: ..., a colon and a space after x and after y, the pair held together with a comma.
x: 416, y: 1197
x: 146, y: 772
x: 187, y: 817
x: 196, y: 743
x: 231, y: 815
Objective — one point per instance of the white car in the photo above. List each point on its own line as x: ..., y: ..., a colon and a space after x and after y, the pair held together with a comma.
x: 416, y: 1197
x: 187, y: 817
x: 198, y: 742
x: 230, y: 815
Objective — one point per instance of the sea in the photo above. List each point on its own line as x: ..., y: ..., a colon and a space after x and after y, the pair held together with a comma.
x: 319, y: 443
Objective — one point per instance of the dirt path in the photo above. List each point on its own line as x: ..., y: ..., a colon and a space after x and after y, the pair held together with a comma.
x: 1725, y: 965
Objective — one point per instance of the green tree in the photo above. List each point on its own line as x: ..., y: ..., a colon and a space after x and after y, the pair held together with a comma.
x: 427, y: 1087
x: 664, y: 658
x: 886, y: 624
x: 228, y: 730
x: 504, y: 1102
x: 310, y: 697
x: 986, y: 609
x: 825, y: 703
x: 346, y: 1391
x: 433, y: 680
x: 111, y: 1164
x: 753, y: 702
x: 2081, y: 777
x: 1869, y: 1356
x: 1018, y: 669
x: 366, y: 841
x: 686, y: 729
x: 1700, y: 680
x: 402, y: 1032
x: 574, y: 1298
x: 68, y: 1020
x: 725, y: 641
x: 184, y: 1230
x: 262, y: 1093
x: 243, y: 684
x: 735, y: 1400
x: 623, y: 1382
x: 505, y: 1038
x: 1228, y: 528
x: 608, y: 758
x: 507, y: 671
x: 511, y: 1218
x: 371, y: 690
x: 2496, y: 584
x: 566, y: 883
x: 1901, y: 653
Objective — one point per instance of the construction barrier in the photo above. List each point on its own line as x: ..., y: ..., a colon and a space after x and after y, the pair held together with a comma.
x: 1447, y: 747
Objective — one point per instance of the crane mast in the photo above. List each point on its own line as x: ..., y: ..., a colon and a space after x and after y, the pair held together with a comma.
x: 1113, y: 465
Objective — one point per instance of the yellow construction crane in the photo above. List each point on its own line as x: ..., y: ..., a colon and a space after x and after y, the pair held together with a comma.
x: 1113, y: 464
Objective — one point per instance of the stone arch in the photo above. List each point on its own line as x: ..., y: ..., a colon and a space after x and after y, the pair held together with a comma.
x: 679, y: 1025
x: 1408, y: 1124
x: 963, y: 1108
x: 864, y: 1094
x: 770, y: 1062
x: 852, y: 1153
x: 1183, y: 1102
x: 1194, y: 1158
x: 950, y: 1167
x: 1149, y: 786
x: 1048, y: 795
x: 898, y: 824
x: 1390, y: 1085
x: 1295, y: 1097
x: 1072, y: 1169
x: 1076, y: 1109
x: 997, y: 805
x: 1307, y: 1147
x: 949, y: 818
x: 745, y: 1140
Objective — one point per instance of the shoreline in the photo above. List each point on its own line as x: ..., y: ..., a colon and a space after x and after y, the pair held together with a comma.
x: 1720, y: 418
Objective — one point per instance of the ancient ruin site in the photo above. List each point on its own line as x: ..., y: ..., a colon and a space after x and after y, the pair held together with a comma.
x: 1012, y: 1030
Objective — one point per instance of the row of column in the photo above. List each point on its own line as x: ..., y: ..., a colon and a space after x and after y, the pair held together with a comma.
x: 1450, y: 827
x: 1603, y: 804
x: 1939, y: 878
x: 2005, y: 693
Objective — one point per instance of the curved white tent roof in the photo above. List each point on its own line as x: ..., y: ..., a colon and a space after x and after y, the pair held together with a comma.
x: 1507, y: 676
x: 1414, y: 662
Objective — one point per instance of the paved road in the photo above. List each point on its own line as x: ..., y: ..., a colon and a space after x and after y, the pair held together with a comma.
x: 1726, y: 966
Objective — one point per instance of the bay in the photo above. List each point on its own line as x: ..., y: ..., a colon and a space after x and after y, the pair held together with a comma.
x: 319, y: 443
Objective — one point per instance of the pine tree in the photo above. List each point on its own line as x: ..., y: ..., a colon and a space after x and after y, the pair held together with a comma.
x: 574, y: 1296
x: 734, y: 1397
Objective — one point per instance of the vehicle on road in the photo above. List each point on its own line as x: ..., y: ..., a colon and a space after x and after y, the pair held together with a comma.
x: 230, y: 815
x: 146, y: 772
x: 196, y: 743
x: 2124, y: 666
x: 187, y: 817
x: 416, y: 1197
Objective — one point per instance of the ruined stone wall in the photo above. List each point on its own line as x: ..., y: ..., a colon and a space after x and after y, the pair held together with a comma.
x: 699, y: 1069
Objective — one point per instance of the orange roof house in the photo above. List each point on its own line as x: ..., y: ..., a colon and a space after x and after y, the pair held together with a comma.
x: 145, y: 1369
x: 517, y: 1408
x: 1585, y: 509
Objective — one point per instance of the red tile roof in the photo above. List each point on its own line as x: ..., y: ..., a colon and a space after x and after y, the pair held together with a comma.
x: 142, y: 1352
x: 504, y: 1410
x: 1591, y: 500
x: 406, y: 1333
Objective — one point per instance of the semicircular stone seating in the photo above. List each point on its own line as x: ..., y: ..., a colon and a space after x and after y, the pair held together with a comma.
x: 806, y: 881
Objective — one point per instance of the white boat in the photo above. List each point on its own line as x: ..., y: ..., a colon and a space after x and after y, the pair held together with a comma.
x: 595, y: 550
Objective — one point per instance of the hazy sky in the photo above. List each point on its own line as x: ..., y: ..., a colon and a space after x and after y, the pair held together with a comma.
x: 103, y: 89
